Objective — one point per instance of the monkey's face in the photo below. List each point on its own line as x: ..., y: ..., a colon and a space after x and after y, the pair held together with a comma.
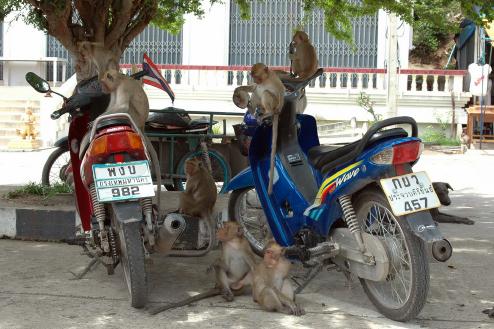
x: 259, y: 73
x: 109, y: 80
x: 192, y: 166
x: 241, y: 98
x: 228, y: 232
x: 271, y: 257
x: 300, y: 37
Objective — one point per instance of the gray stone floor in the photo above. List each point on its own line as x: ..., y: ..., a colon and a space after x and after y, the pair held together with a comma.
x: 36, y: 290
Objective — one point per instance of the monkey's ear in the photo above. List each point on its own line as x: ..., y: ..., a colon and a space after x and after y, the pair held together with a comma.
x: 449, y: 186
x: 240, y: 231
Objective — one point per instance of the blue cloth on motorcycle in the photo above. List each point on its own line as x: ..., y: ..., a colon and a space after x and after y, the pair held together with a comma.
x: 251, y: 123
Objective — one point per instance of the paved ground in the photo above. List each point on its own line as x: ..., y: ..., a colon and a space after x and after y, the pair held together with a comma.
x: 36, y: 290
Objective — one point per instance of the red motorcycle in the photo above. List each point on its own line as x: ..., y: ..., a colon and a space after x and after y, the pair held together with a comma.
x: 113, y: 183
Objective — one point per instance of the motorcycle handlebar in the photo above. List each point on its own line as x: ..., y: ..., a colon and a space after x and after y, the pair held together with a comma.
x: 58, y: 113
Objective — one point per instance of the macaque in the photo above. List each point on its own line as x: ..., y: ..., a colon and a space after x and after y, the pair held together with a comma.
x: 127, y: 96
x: 465, y: 140
x: 271, y: 287
x: 267, y: 92
x: 242, y: 99
x: 233, y: 269
x: 442, y: 191
x: 303, y: 58
x: 200, y: 193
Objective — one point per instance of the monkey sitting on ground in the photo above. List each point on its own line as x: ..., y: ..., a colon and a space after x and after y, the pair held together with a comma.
x: 442, y: 191
x: 271, y: 287
x: 267, y: 92
x: 200, y: 193
x: 233, y: 269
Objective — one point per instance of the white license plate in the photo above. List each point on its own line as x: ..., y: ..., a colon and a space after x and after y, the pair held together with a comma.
x: 410, y: 193
x: 123, y: 181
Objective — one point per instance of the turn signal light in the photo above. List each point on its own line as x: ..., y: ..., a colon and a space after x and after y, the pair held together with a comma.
x: 398, y: 154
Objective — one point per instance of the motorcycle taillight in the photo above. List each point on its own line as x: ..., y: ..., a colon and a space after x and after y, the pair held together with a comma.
x: 126, y: 141
x: 400, y: 153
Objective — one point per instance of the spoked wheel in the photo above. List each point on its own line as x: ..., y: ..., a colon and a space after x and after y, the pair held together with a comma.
x: 221, y: 170
x: 403, y: 294
x: 245, y: 208
x: 132, y: 260
x: 55, y: 166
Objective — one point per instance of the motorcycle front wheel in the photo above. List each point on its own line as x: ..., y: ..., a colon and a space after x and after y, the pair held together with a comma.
x: 132, y: 259
x: 403, y: 294
x: 245, y: 208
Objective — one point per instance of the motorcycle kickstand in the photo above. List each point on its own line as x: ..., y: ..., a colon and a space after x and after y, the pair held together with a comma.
x: 312, y: 273
x: 95, y: 259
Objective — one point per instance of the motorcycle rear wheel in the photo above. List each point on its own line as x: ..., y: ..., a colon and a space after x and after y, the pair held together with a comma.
x: 403, y: 294
x: 132, y: 259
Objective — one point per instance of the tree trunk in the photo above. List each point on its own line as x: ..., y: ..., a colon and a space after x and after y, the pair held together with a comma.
x: 86, y: 65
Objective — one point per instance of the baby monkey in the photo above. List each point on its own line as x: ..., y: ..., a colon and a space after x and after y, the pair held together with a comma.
x: 233, y: 269
x: 271, y: 287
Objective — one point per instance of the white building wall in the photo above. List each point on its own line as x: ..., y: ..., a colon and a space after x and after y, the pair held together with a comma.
x: 21, y: 41
x: 206, y: 40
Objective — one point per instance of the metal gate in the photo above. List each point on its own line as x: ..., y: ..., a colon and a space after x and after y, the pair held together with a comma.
x: 266, y: 36
x: 161, y: 46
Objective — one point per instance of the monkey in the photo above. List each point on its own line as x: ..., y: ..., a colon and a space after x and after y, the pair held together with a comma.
x: 233, y: 269
x: 200, y: 193
x: 465, y: 141
x: 442, y: 191
x: 303, y: 56
x: 271, y: 287
x: 267, y: 93
x: 242, y: 99
x: 127, y: 96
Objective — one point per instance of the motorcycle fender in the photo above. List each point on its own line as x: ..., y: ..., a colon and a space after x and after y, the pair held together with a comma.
x: 127, y: 212
x: 242, y: 180
x: 423, y: 226
x: 62, y: 142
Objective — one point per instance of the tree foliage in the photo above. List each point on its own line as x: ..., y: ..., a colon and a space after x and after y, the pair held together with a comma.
x: 114, y: 23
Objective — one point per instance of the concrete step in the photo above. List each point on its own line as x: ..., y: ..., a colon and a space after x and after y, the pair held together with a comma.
x: 17, y: 109
x: 8, y: 131
x: 14, y: 116
x: 5, y: 102
x: 10, y: 124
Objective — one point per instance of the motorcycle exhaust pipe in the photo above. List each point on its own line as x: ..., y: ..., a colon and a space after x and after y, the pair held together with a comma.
x: 442, y: 250
x: 173, y: 225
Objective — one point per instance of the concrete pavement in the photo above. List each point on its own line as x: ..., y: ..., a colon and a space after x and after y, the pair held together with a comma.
x: 36, y: 290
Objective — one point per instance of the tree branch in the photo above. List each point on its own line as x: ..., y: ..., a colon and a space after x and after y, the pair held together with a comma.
x: 122, y: 13
x: 139, y: 24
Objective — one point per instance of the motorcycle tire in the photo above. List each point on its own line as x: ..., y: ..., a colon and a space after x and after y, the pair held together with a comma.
x: 257, y: 231
x: 47, y: 177
x: 132, y: 260
x: 409, y: 275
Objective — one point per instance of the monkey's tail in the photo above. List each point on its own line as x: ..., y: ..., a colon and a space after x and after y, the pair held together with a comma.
x: 210, y: 293
x: 273, y: 152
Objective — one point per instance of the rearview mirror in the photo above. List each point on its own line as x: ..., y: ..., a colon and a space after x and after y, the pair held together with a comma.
x: 37, y: 82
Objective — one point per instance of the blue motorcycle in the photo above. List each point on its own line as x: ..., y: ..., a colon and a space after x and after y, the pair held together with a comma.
x: 359, y: 207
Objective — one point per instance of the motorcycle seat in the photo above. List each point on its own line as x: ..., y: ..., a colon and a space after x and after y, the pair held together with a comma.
x: 323, y: 154
x: 106, y: 123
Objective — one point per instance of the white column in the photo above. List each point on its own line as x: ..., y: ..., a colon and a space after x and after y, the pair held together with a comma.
x: 22, y: 41
x: 382, y: 23
x: 392, y: 60
x: 206, y: 41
